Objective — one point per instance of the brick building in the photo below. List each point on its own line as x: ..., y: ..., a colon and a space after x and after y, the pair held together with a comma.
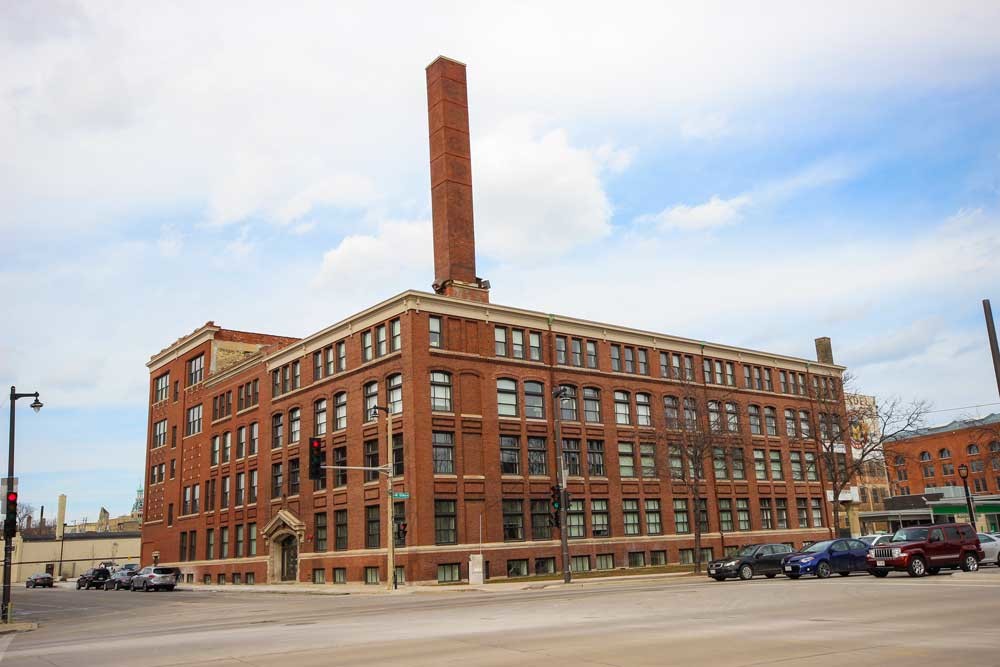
x: 468, y: 386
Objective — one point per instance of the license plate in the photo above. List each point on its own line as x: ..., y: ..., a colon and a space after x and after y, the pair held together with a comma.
x: 788, y: 568
x: 711, y: 571
x: 880, y: 563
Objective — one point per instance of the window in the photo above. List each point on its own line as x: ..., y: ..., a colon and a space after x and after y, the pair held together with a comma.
x: 277, y: 430
x: 367, y: 351
x: 616, y: 357
x: 591, y: 347
x: 630, y: 513
x: 241, y: 483
x: 510, y: 455
x: 560, y: 349
x: 537, y: 456
x: 319, y: 532
x: 715, y: 417
x: 160, y: 433
x: 629, y: 360
x: 339, y: 530
x: 251, y: 544
x: 534, y: 400
x: 398, y: 464
x: 223, y: 542
x: 690, y: 414
x: 440, y: 391
x: 394, y: 394
x: 276, y: 481
x: 796, y: 459
x: 811, y: 473
x: 770, y: 421
x: 719, y: 463
x: 241, y: 442
x: 161, y: 388
x: 592, y: 405
x: 195, y: 370
x: 925, y: 456
x: 643, y: 410
x: 682, y: 520
x: 732, y: 417
x: 339, y: 461
x: 579, y: 564
x: 254, y: 439
x: 575, y: 526
x: 371, y: 575
x: 443, y: 453
x: 817, y: 512
x: 802, y: 507
x: 373, y: 527
x: 790, y: 424
x: 535, y: 346
x: 754, y: 413
x: 567, y: 403
x: 340, y: 411
x: 319, y: 417
x: 341, y: 348
x: 445, y: 522
x: 371, y: 401
x: 743, y: 513
x: 329, y: 364
x: 709, y: 374
x: 371, y: 460
x: 777, y: 472
x: 517, y: 343
x: 626, y: 459
x: 541, y: 527
x: 730, y: 374
x: 647, y: 456
x: 759, y: 464
x: 781, y: 508
x: 672, y: 411
x: 571, y: 457
x: 506, y: 397
x: 434, y: 331
x: 293, y: 477
x: 513, y: 521
x: 500, y: 341
x: 972, y: 450
x: 449, y: 572
x: 380, y: 341
x: 193, y: 420
x: 725, y: 515
x: 654, y: 522
x: 595, y: 458
x: 804, y: 424
x: 944, y: 453
x: 622, y: 410
x: 252, y: 488
x: 765, y: 514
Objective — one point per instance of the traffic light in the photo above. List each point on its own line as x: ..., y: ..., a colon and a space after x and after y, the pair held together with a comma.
x: 401, y: 531
x: 556, y: 503
x: 316, y: 456
x: 10, y: 520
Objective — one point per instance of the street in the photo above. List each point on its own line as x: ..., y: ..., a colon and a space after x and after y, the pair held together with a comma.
x: 680, y: 621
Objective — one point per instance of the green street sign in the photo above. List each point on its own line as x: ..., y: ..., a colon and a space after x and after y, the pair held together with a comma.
x: 400, y: 495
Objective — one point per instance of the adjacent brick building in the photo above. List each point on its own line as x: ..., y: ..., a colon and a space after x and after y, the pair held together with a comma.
x: 468, y: 386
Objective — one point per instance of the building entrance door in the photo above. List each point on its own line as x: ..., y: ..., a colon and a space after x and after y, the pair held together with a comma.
x: 289, y: 558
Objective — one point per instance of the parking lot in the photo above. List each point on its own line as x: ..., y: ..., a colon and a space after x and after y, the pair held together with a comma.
x: 950, y: 618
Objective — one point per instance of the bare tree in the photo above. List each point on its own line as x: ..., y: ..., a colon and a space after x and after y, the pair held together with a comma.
x: 24, y: 513
x: 873, y: 430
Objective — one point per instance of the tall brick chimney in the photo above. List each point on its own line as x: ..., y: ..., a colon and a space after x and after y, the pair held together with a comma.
x: 824, y: 350
x: 451, y: 183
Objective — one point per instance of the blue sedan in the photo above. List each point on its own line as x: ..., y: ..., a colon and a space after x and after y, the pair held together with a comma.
x: 822, y: 559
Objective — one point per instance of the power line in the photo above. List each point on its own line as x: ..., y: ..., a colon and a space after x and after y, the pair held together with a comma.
x: 964, y: 407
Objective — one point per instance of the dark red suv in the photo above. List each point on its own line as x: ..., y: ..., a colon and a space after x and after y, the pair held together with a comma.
x: 920, y: 550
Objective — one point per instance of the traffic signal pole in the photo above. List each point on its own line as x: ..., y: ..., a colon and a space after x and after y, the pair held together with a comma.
x: 10, y: 521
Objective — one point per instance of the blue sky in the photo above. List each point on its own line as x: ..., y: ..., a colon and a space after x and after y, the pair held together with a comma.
x: 753, y: 177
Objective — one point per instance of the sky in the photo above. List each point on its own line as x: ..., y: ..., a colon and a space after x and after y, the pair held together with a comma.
x: 754, y: 175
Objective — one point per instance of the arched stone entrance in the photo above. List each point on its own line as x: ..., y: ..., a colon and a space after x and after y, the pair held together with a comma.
x: 284, y: 533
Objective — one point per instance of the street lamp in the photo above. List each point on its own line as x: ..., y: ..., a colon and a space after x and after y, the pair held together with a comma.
x: 390, y: 554
x: 963, y: 472
x: 8, y: 547
x: 558, y: 395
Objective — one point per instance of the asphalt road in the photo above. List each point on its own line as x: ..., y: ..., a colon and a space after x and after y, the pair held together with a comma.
x: 855, y: 620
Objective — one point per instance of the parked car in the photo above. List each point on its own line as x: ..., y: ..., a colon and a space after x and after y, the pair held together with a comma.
x: 875, y: 540
x: 119, y: 580
x: 751, y: 560
x: 130, y: 567
x: 822, y: 559
x: 920, y: 550
x: 93, y: 578
x: 39, y: 580
x: 991, y: 548
x: 154, y: 579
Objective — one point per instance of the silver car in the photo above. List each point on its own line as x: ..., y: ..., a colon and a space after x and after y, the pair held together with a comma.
x: 991, y: 547
x: 154, y: 579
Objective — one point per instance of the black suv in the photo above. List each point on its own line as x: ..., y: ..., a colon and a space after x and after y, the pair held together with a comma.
x: 752, y: 559
x: 95, y: 577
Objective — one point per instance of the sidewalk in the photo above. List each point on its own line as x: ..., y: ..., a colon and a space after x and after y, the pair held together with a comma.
x: 301, y: 588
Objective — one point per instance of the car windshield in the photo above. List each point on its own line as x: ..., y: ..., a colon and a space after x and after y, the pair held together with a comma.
x: 910, y: 535
x: 869, y: 539
x: 748, y: 551
x: 162, y: 570
x: 819, y: 547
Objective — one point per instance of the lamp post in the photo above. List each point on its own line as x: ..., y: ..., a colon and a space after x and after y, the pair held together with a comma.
x: 963, y: 472
x: 8, y: 547
x: 558, y: 395
x: 390, y: 554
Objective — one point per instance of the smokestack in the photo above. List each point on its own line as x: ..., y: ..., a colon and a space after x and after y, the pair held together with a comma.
x: 41, y: 517
x: 451, y: 182
x: 824, y: 350
x: 61, y: 516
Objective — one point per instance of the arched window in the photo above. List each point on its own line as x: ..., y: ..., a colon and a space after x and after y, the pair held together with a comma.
x: 507, y: 397
x: 567, y: 404
x: 440, y: 391
x: 277, y: 430
x: 714, y: 416
x: 973, y: 450
x: 294, y: 425
x: 371, y: 401
x: 804, y: 430
x: 340, y: 410
x: 753, y: 411
x: 690, y: 414
x: 944, y: 453
x: 925, y: 456
x: 790, y: 425
x: 732, y: 417
x: 643, y: 411
x: 592, y: 405
x: 534, y: 400
x: 623, y: 413
x: 995, y: 447
x: 319, y: 417
x: 901, y: 460
x: 394, y: 393
x: 672, y: 411
x: 771, y: 420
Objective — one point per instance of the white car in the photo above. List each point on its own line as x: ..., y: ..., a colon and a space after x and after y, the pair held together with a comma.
x: 875, y: 540
x: 991, y: 547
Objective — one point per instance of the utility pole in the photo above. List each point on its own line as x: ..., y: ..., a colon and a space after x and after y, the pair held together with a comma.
x: 390, y: 528
x: 557, y: 396
x: 991, y: 331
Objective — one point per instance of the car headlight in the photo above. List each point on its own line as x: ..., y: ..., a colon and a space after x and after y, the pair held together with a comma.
x: 732, y: 563
x: 896, y: 552
x: 806, y: 561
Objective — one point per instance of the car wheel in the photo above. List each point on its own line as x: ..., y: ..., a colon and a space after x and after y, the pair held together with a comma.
x: 27, y: 584
x: 793, y: 577
x: 881, y: 574
x: 78, y: 585
x: 844, y: 574
x: 970, y: 563
x: 772, y: 575
x: 746, y: 572
x: 917, y: 567
x: 823, y: 570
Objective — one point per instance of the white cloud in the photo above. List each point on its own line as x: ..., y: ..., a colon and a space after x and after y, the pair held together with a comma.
x: 710, y: 215
x: 365, y: 262
x: 903, y: 343
x: 705, y: 126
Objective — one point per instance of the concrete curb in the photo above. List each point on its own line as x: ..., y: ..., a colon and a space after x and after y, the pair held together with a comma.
x: 18, y: 626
